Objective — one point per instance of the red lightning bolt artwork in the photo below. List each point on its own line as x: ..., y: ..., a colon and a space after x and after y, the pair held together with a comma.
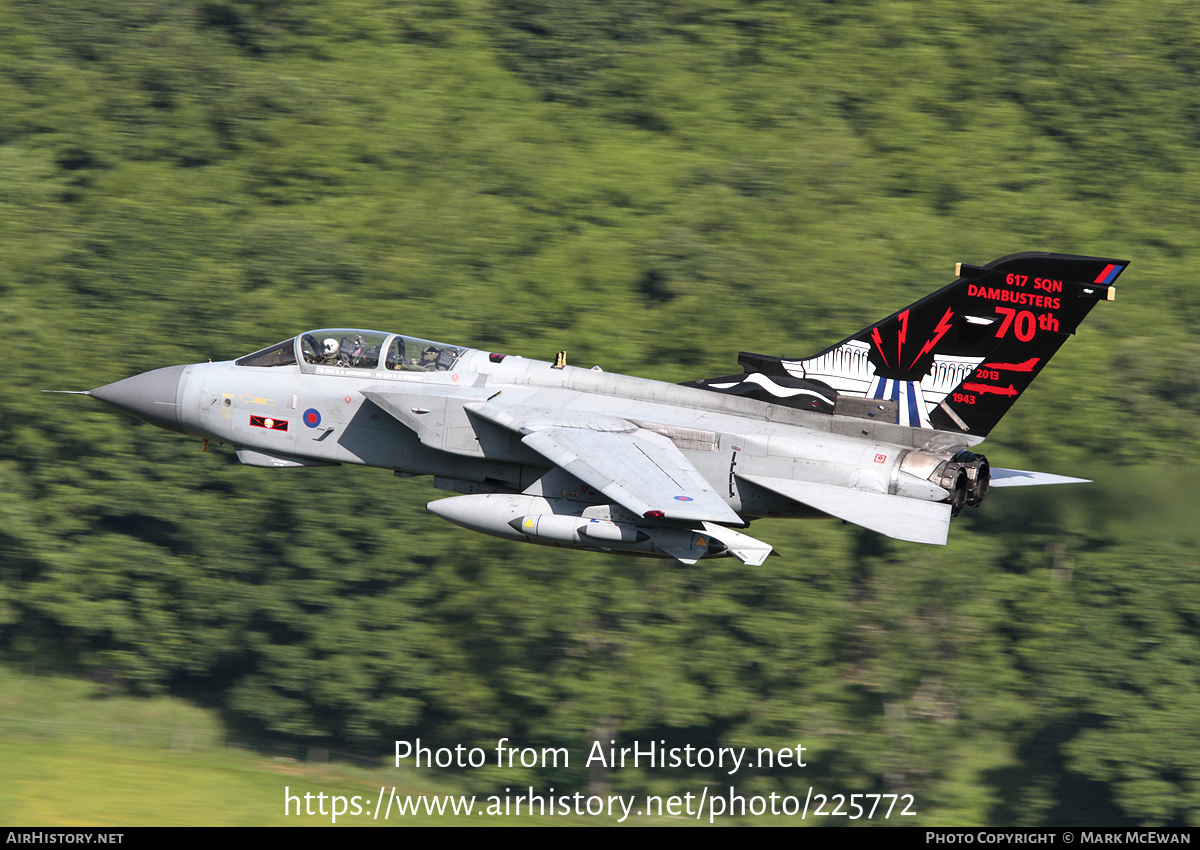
x: 879, y: 347
x: 939, y: 331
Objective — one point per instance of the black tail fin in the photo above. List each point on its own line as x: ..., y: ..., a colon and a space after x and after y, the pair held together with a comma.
x: 958, y: 359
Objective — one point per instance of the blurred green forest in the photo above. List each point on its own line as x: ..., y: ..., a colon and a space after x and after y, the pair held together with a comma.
x: 652, y: 186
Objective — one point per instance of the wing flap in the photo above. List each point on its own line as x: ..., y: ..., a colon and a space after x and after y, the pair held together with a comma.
x: 913, y: 520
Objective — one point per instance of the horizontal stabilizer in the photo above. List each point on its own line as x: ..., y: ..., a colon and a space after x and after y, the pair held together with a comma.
x: 1021, y: 478
x: 913, y: 520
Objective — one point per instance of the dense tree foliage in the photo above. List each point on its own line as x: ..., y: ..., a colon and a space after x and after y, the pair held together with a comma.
x: 651, y: 186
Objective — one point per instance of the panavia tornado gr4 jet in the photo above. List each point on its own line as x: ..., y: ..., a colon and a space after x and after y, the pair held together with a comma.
x: 876, y: 430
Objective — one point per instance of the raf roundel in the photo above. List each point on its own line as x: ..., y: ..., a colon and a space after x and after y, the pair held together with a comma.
x: 312, y: 417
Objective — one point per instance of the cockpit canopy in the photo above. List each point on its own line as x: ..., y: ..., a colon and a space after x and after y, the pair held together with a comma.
x: 349, y: 348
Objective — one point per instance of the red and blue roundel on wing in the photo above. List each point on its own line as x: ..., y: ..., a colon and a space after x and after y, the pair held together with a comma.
x: 312, y: 417
x: 683, y: 498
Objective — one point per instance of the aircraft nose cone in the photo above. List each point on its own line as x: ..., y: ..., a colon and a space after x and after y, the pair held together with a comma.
x: 152, y: 397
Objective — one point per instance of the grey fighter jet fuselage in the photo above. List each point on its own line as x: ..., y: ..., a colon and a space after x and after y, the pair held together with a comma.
x: 876, y: 430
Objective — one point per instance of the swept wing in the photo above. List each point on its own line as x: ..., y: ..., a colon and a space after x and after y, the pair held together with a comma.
x: 642, y: 471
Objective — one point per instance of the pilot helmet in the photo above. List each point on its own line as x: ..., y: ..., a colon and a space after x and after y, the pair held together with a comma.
x: 329, y: 346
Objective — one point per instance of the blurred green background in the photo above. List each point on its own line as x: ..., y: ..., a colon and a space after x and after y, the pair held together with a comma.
x: 652, y: 186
